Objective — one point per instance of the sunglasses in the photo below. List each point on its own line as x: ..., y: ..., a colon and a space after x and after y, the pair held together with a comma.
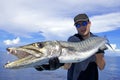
x: 84, y: 23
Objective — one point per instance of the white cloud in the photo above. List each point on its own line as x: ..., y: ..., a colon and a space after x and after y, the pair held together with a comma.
x: 12, y: 42
x: 53, y: 18
x: 107, y: 22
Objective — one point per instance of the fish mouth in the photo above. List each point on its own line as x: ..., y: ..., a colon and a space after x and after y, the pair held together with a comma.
x: 18, y: 53
x: 23, y: 56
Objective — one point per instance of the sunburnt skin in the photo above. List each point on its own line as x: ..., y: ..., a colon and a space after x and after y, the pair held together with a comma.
x: 67, y: 52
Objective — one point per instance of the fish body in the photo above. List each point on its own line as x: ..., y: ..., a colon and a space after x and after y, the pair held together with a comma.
x: 39, y: 53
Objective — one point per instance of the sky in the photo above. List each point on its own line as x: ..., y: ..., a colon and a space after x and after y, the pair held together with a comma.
x: 27, y: 21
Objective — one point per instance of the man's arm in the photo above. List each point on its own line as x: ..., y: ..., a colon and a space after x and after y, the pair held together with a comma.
x: 100, y: 61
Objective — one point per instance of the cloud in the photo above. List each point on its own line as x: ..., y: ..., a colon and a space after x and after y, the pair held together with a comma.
x: 12, y: 42
x: 106, y: 22
x: 55, y: 18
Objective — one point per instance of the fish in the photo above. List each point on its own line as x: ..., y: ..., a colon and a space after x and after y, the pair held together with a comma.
x: 39, y: 53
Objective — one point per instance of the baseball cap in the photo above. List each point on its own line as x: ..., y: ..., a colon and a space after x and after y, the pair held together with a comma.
x: 81, y: 17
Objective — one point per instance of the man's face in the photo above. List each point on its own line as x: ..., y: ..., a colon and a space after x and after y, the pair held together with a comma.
x: 83, y: 27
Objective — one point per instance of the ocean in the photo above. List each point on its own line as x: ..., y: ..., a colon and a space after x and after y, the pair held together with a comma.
x: 111, y: 71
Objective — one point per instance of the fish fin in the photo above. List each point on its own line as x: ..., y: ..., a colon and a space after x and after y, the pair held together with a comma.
x: 109, y: 46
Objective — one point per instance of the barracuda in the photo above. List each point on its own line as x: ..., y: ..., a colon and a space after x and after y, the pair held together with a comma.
x: 39, y: 53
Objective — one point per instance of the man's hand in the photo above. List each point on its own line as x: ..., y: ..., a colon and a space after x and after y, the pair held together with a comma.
x: 53, y: 65
x: 100, y: 60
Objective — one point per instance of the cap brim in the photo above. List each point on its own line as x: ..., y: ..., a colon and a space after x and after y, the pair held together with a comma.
x: 81, y: 20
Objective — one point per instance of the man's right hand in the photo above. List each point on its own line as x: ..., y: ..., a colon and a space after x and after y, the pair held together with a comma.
x: 53, y: 65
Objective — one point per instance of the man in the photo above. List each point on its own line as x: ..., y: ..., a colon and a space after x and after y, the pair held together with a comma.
x: 86, y: 70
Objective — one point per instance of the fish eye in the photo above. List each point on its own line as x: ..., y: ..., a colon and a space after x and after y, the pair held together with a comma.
x: 40, y: 45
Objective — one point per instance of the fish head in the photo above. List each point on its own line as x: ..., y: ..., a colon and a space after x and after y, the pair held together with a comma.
x: 33, y: 54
